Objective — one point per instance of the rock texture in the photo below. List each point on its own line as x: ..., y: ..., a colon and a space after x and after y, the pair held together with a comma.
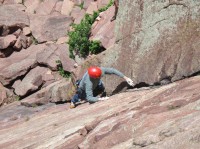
x: 155, y: 41
x: 164, y: 117
x: 49, y: 27
x: 34, y: 44
x: 103, y: 29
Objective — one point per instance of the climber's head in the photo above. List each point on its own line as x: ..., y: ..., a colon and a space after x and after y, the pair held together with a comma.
x: 94, y: 72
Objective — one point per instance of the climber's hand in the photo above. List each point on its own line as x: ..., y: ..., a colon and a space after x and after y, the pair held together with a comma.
x: 129, y: 81
x: 103, y: 98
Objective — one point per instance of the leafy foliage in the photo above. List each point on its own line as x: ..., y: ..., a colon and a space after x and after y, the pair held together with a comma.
x: 81, y: 5
x: 79, y: 42
x: 61, y: 71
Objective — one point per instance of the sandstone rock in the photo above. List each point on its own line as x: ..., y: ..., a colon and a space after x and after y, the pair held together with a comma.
x: 125, y: 120
x: 91, y: 8
x: 19, y: 7
x: 26, y: 31
x: 31, y: 82
x: 58, y: 6
x: 49, y: 56
x: 87, y: 3
x: 31, y: 5
x: 77, y: 14
x: 59, y: 91
x: 6, y: 96
x: 18, y: 44
x: 67, y: 7
x: 157, y: 45
x: 18, y: 1
x: 103, y: 30
x: 19, y: 18
x: 9, y: 2
x: 6, y: 52
x: 134, y: 44
x: 17, y: 32
x: 16, y: 83
x: 18, y: 64
x: 62, y: 40
x: 7, y: 41
x: 78, y: 2
x: 67, y: 62
x: 33, y: 102
x: 102, y: 3
x: 49, y: 27
x: 46, y: 7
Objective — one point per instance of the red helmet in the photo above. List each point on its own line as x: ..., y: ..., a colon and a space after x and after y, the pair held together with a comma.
x: 94, y: 72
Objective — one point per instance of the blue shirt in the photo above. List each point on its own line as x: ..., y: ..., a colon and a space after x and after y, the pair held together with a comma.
x: 89, y: 84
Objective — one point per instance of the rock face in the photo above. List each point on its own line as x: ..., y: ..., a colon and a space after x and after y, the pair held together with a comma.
x: 103, y: 30
x: 150, y: 48
x: 165, y: 117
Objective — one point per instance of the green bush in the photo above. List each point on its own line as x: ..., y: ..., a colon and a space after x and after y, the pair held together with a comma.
x: 79, y: 42
x: 61, y: 71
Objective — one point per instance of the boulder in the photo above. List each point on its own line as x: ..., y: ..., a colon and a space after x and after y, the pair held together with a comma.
x: 49, y: 27
x: 102, y: 3
x: 58, y: 7
x: 53, y: 53
x: 26, y: 31
x: 46, y: 7
x: 19, y: 18
x: 7, y: 41
x: 19, y: 63
x: 67, y: 62
x: 49, y: 56
x: 58, y: 91
x: 31, y: 82
x: 31, y: 5
x: 91, y: 8
x: 86, y: 3
x: 67, y: 7
x: 6, y: 52
x: 62, y: 40
x: 77, y: 14
x: 103, y: 29
x: 6, y: 96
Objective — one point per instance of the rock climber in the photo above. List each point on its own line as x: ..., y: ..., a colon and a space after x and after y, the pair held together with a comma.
x: 91, y: 85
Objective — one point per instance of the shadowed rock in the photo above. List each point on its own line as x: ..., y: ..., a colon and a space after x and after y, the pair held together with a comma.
x: 18, y: 64
x: 6, y: 96
x: 31, y: 82
x: 7, y: 41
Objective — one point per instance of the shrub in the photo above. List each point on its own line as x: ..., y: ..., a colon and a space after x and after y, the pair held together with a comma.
x: 79, y: 42
x: 61, y: 71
